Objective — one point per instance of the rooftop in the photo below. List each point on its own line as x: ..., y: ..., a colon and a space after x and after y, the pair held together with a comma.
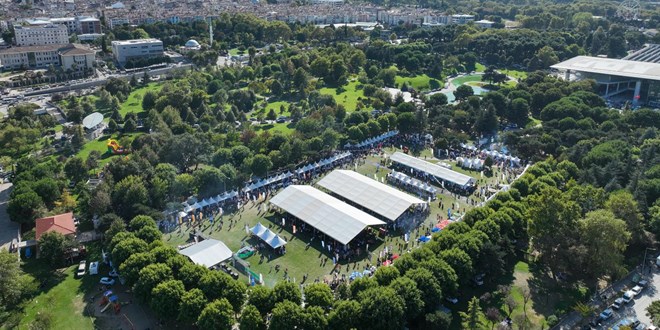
x: 610, y: 66
x: 64, y: 49
x: 371, y: 194
x: 433, y: 169
x: 61, y: 223
x: 207, y: 253
x: 134, y: 41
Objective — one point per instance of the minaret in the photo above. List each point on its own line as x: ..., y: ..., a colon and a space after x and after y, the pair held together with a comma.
x: 211, y: 33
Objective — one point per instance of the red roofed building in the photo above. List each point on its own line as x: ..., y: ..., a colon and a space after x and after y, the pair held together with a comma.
x: 61, y: 223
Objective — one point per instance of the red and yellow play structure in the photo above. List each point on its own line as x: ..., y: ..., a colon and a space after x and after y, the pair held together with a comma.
x: 115, y: 149
x: 109, y: 300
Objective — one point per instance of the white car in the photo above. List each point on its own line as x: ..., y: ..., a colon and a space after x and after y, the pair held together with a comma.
x: 637, y: 289
x: 113, y: 273
x: 452, y: 300
x: 107, y: 281
x: 94, y: 268
x: 628, y: 296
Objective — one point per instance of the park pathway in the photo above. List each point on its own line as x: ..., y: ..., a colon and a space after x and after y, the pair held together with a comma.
x: 8, y: 228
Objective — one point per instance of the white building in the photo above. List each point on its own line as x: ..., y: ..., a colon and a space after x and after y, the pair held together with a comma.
x: 69, y: 22
x: 484, y: 23
x: 462, y: 19
x: 41, y: 57
x: 53, y: 34
x: 125, y: 50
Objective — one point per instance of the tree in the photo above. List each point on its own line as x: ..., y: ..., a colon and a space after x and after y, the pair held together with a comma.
x: 385, y: 275
x: 259, y: 164
x: 407, y: 289
x: 624, y: 206
x: 653, y: 311
x: 472, y: 318
x: 149, y: 277
x: 287, y: 315
x: 271, y: 114
x: 128, y: 192
x: 130, y: 126
x: 493, y: 316
x: 14, y: 283
x: 149, y: 100
x: 382, y: 308
x: 130, y: 269
x: 318, y: 294
x: 75, y: 169
x: 25, y: 207
x: 553, y: 227
x: 166, y: 298
x: 53, y: 247
x: 126, y: 248
x: 262, y: 298
x: 217, y: 315
x: 216, y: 285
x: 287, y: 291
x: 427, y: 284
x: 518, y: 112
x: 185, y: 151
x: 149, y: 234
x: 192, y: 304
x: 345, y: 315
x: 191, y: 274
x: 462, y: 92
x: 436, y: 99
x: 314, y: 318
x: 605, y: 239
x: 437, y: 320
x: 251, y: 319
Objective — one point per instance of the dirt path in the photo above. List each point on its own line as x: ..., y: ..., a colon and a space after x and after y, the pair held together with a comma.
x: 8, y: 229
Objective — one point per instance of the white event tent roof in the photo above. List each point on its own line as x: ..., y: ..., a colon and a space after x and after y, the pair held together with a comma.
x: 328, y: 214
x: 433, y: 169
x: 371, y: 194
x: 208, y: 253
x: 611, y: 66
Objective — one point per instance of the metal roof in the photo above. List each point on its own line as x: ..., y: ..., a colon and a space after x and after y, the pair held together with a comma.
x: 371, y: 194
x: 433, y: 169
x: 208, y: 253
x: 650, y: 53
x: 328, y: 214
x: 611, y: 66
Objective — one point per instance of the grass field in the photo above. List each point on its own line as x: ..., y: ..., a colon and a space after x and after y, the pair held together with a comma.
x: 286, y: 128
x: 276, y: 106
x: 101, y: 145
x: 419, y: 83
x: 514, y: 73
x: 134, y: 101
x: 348, y: 98
x: 464, y: 79
x: 235, y: 51
x: 479, y: 67
x: 63, y: 296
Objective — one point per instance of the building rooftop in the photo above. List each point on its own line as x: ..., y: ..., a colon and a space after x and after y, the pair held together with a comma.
x: 61, y: 223
x: 610, y: 66
x: 65, y: 49
x: 39, y: 27
x: 134, y: 41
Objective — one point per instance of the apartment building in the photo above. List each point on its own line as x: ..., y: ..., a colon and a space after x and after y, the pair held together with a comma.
x: 125, y: 50
x: 66, y: 56
x: 53, y: 34
x: 462, y: 19
x: 88, y: 25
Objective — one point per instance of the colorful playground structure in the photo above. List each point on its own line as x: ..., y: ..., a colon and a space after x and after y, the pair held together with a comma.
x: 115, y: 149
x: 110, y: 300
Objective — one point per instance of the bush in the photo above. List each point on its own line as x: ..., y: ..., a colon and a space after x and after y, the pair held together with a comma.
x: 552, y: 320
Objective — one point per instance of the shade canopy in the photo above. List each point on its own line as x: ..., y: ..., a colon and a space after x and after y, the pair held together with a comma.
x: 207, y: 253
x: 328, y: 214
x: 433, y: 169
x: 268, y: 236
x: 368, y: 193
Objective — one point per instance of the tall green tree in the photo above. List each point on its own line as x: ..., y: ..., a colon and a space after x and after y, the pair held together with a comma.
x: 472, y: 318
x: 605, y: 239
x: 217, y: 315
x: 166, y: 298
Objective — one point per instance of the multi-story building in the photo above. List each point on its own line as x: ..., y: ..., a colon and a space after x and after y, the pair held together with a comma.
x: 88, y: 25
x: 67, y: 56
x: 77, y: 25
x: 462, y: 19
x: 53, y: 34
x: 125, y: 50
x: 69, y: 22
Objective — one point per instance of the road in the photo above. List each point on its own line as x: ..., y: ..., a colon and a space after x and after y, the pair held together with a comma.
x: 8, y: 229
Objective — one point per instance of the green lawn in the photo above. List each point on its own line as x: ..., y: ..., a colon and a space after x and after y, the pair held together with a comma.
x: 286, y: 128
x: 514, y: 73
x: 479, y: 67
x: 419, y: 83
x: 463, y: 79
x: 101, y: 145
x: 63, y: 296
x: 134, y: 101
x: 276, y: 106
x: 235, y: 52
x: 349, y: 97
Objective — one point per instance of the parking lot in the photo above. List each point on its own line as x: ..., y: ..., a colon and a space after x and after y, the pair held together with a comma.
x: 636, y: 308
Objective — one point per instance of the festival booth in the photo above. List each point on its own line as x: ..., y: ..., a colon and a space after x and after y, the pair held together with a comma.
x: 371, y: 141
x: 267, y: 236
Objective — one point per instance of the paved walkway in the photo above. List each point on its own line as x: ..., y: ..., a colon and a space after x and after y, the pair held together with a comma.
x: 8, y: 229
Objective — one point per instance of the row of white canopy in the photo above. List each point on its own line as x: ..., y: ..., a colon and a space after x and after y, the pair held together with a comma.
x: 400, y: 177
x: 267, y: 235
x: 211, y: 201
x: 472, y: 163
x: 373, y: 140
x: 493, y: 153
x: 324, y: 162
x: 267, y: 181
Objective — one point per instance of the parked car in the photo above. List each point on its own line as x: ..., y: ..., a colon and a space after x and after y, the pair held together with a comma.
x: 81, y: 268
x: 452, y: 300
x: 628, y: 296
x: 606, y: 314
x: 643, y: 283
x: 113, y: 273
x: 107, y: 281
x: 617, y: 303
x: 478, y: 280
x: 637, y: 289
x: 94, y: 268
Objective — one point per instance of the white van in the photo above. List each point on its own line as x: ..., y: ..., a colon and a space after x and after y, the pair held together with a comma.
x: 657, y: 261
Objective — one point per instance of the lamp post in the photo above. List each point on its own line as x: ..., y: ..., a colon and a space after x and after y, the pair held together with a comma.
x: 644, y: 262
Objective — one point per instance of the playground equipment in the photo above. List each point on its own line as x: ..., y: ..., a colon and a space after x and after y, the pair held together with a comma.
x: 115, y: 149
x: 245, y: 252
x: 111, y: 301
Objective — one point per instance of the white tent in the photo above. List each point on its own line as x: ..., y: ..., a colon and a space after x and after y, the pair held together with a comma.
x: 207, y: 253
